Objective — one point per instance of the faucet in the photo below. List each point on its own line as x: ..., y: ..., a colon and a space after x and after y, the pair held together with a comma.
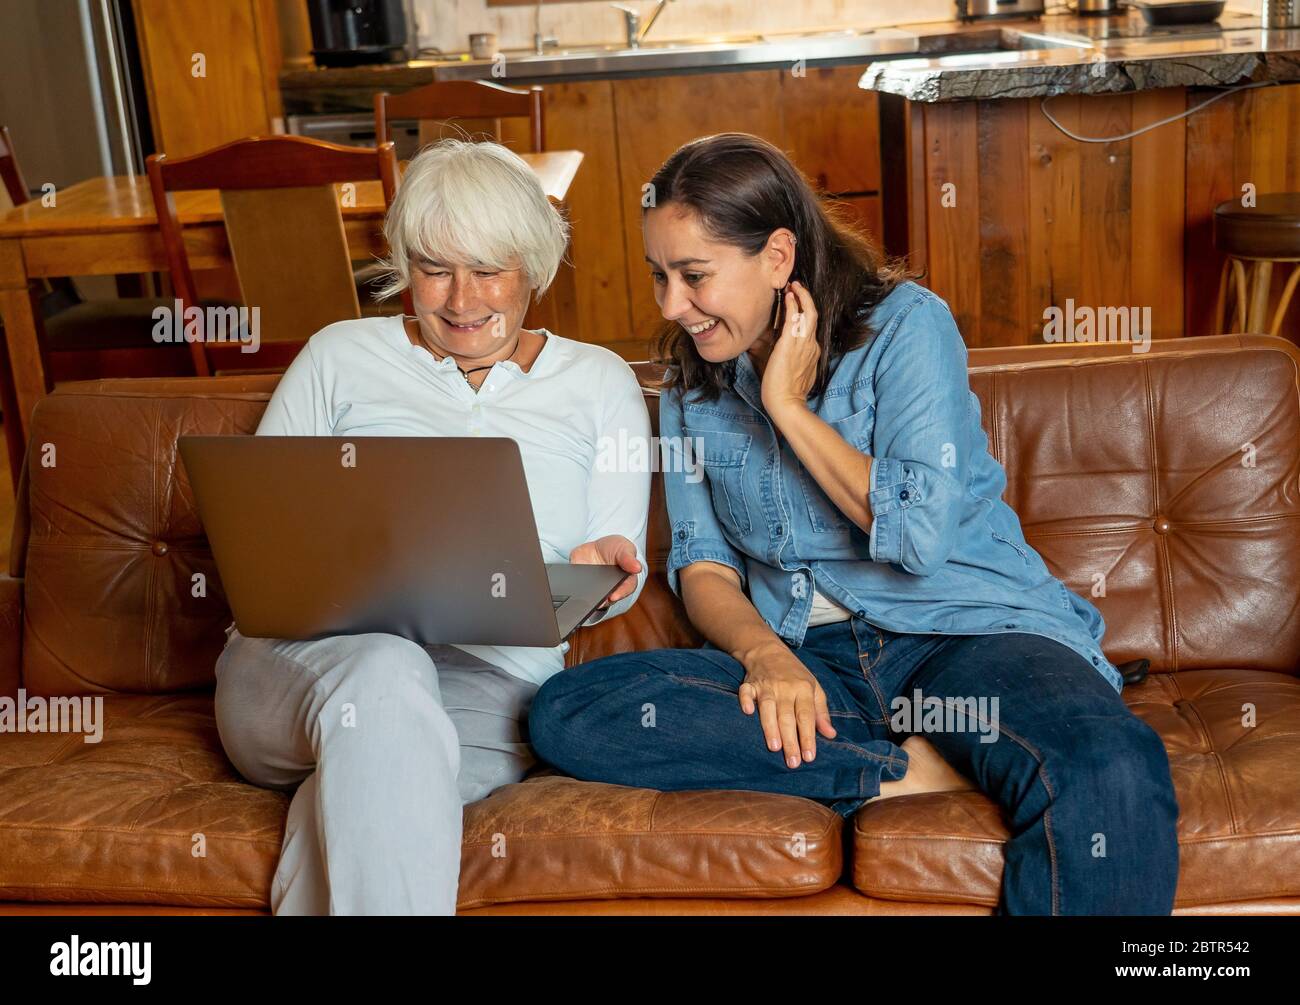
x: 540, y: 41
x: 634, y: 30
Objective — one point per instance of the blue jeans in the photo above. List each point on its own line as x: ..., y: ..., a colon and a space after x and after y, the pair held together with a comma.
x: 1083, y: 783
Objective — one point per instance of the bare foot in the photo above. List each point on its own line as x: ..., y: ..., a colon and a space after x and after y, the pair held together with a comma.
x: 927, y: 771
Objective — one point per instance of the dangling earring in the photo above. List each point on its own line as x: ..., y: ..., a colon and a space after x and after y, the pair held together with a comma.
x: 776, y: 309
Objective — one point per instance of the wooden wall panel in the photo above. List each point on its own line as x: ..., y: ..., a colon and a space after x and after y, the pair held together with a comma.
x: 953, y: 239
x: 1006, y: 302
x: 1159, y: 187
x: 1058, y: 185
x: 1104, y: 222
x: 1210, y: 179
x: 1043, y: 219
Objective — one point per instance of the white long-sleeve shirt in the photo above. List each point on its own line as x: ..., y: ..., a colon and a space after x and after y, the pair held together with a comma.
x: 365, y: 378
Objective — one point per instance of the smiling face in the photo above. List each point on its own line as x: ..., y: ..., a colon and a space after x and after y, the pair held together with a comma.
x: 721, y: 296
x: 470, y: 312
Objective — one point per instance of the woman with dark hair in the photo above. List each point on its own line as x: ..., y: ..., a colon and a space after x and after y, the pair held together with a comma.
x: 861, y: 584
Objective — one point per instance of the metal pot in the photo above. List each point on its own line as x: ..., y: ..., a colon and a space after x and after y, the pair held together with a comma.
x: 1096, y: 6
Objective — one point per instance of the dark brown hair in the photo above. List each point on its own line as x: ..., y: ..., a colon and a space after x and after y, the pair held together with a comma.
x: 742, y: 188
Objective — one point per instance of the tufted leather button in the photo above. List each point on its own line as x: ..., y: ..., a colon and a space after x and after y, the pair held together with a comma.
x: 1162, y: 525
x: 159, y: 548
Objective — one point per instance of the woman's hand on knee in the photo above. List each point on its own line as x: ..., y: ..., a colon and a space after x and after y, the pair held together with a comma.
x: 792, y: 707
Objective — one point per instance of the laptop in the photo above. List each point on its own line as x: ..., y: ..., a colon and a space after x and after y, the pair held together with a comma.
x: 429, y: 538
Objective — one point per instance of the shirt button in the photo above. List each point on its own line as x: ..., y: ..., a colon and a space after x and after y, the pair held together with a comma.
x: 1009, y: 626
x: 780, y: 529
x: 681, y: 535
x: 904, y: 494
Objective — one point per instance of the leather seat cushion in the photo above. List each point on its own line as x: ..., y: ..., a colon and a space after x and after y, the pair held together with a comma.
x: 1238, y: 789
x: 550, y: 837
x: 154, y: 813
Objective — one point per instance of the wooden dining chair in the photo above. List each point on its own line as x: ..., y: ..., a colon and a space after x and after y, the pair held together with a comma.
x: 80, y: 339
x: 475, y: 105
x: 285, y: 228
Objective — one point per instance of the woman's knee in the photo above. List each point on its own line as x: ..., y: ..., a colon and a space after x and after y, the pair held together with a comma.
x: 1122, y: 763
x: 573, y: 702
x: 379, y: 668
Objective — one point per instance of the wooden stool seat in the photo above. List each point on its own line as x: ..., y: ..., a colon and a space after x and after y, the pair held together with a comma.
x: 1269, y: 229
x: 1260, y: 236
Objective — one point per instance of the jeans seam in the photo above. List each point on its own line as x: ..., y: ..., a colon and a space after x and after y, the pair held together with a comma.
x: 883, y: 758
x: 713, y: 685
x: 1047, y: 813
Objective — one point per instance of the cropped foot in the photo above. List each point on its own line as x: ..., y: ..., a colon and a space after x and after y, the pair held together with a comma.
x: 927, y: 771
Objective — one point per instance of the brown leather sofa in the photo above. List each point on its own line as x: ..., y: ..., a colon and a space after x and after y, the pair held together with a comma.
x: 1175, y: 472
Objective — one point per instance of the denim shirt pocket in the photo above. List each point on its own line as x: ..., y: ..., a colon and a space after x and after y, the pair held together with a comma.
x: 723, y: 456
x: 823, y: 514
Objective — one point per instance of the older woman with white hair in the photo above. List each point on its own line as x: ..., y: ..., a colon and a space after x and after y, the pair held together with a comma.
x: 385, y: 739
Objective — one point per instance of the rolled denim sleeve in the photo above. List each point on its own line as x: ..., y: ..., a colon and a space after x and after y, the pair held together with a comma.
x: 921, y: 440
x: 697, y: 535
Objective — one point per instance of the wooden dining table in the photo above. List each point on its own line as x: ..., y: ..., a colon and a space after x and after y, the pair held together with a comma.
x: 107, y: 226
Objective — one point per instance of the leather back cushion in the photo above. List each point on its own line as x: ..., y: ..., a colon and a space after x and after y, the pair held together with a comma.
x: 1168, y: 480
x: 114, y: 540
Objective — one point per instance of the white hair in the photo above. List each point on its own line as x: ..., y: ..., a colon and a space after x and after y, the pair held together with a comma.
x: 469, y: 203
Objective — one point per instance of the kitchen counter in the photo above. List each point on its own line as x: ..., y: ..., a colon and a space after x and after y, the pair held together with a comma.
x: 1068, y: 54
x: 927, y: 62
x: 302, y: 89
x: 1107, y: 198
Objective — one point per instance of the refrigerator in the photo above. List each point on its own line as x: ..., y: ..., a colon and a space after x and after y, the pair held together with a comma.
x: 71, y: 89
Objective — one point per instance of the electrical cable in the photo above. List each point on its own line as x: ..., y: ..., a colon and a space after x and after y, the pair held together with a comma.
x: 1042, y: 106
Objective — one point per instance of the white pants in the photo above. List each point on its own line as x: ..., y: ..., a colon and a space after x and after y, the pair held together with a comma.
x: 385, y: 740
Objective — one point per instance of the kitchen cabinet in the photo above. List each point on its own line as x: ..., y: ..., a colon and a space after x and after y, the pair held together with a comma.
x: 210, y: 71
x: 627, y: 128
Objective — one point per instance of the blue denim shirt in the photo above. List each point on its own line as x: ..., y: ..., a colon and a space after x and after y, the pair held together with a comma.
x: 945, y: 554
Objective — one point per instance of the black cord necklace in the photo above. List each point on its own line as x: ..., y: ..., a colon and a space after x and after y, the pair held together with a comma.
x: 475, y: 369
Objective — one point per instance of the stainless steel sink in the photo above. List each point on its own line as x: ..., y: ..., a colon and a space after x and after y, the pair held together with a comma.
x: 604, y: 60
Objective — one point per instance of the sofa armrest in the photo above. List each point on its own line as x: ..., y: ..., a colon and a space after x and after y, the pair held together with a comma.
x: 11, y: 634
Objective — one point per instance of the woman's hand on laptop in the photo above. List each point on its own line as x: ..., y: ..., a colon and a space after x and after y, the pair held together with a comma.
x: 613, y: 549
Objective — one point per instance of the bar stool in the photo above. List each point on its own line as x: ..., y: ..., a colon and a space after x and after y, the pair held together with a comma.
x: 1260, y: 236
